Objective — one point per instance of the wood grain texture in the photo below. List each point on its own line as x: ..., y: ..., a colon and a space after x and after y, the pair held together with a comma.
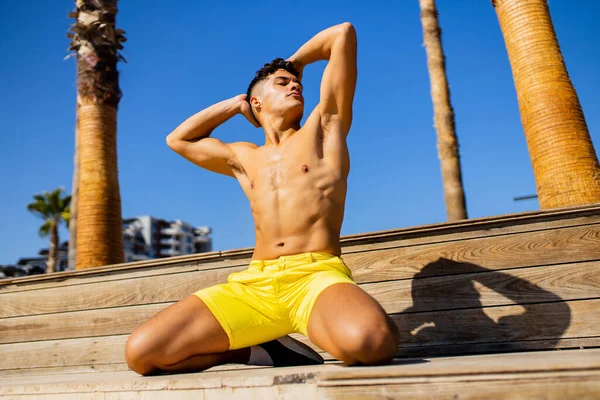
x: 544, y: 321
x: 480, y: 288
x: 112, y: 274
x: 547, y: 322
x: 555, y: 246
x: 474, y: 370
x: 459, y: 349
x: 11, y: 375
x: 433, y: 233
x: 66, y: 352
x: 106, y: 294
x: 78, y: 324
x: 510, y: 251
x: 579, y: 387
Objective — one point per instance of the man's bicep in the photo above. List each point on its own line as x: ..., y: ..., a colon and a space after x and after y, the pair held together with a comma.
x: 339, y: 79
x: 209, y: 153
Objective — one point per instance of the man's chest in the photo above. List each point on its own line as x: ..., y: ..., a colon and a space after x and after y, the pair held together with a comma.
x: 291, y: 168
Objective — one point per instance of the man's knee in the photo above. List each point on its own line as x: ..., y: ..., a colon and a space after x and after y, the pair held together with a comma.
x: 139, y: 353
x: 372, y: 345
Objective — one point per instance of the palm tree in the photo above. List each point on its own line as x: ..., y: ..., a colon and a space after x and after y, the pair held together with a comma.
x: 74, y: 196
x: 564, y: 162
x: 54, y: 209
x: 96, y: 43
x: 443, y: 114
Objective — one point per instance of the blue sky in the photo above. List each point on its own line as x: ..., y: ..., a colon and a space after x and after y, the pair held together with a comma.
x: 184, y: 56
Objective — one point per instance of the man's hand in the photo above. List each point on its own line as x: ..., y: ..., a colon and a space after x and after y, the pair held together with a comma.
x: 298, y: 65
x: 246, y: 109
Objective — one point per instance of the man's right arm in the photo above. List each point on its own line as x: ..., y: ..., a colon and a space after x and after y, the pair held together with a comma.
x: 191, y: 139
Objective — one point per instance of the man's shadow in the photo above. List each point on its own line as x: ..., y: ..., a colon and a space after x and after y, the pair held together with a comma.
x: 447, y: 315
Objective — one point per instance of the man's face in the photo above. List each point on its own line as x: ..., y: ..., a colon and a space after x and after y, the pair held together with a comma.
x: 281, y: 93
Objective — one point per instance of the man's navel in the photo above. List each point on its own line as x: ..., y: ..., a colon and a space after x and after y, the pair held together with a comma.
x: 305, y: 168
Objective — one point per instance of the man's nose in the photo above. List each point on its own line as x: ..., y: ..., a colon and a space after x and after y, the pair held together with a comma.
x: 296, y: 87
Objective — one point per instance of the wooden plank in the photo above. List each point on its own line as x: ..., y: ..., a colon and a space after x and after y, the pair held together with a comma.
x: 103, y: 294
x: 448, y: 350
x: 473, y: 290
x: 559, y: 246
x: 110, y: 274
x: 434, y: 233
x: 546, y: 322
x: 13, y: 375
x: 130, y: 381
x: 66, y: 352
x: 484, y: 369
x: 77, y: 324
x: 499, y: 252
x: 508, y: 363
x: 9, y: 375
x: 483, y: 288
x: 532, y: 362
x: 157, y: 395
x: 60, y: 396
x: 512, y: 221
x: 382, y: 240
x: 563, y: 344
x: 585, y: 387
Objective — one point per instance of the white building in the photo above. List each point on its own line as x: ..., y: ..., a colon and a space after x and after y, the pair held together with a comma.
x: 147, y: 237
x: 144, y: 238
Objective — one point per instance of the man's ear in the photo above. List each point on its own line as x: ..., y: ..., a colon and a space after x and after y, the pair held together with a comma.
x: 256, y: 103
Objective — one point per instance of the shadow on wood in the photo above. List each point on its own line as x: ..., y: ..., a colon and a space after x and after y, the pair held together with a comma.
x: 469, y: 324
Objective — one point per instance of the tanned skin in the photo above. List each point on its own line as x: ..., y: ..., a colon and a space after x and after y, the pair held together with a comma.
x: 296, y: 184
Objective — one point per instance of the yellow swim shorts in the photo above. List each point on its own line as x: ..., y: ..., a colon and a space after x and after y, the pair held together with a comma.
x: 272, y: 298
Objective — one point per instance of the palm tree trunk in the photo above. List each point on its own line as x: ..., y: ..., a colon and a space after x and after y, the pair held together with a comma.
x: 99, y: 237
x: 74, y: 195
x: 99, y: 223
x: 53, y: 250
x: 564, y: 162
x: 443, y: 114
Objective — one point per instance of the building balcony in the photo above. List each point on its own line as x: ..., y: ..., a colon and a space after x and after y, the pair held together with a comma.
x: 174, y: 230
x: 201, y: 239
x: 171, y: 252
x: 170, y: 241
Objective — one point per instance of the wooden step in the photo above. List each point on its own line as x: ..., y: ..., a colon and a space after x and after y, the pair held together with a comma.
x: 572, y: 374
x: 521, y: 282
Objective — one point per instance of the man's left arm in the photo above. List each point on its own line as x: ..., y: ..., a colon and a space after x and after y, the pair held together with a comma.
x: 338, y: 45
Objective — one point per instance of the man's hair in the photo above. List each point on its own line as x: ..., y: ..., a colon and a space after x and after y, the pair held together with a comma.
x: 268, y: 69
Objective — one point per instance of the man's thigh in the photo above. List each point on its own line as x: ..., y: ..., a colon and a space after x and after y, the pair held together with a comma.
x: 249, y: 314
x: 343, y: 316
x: 182, y: 330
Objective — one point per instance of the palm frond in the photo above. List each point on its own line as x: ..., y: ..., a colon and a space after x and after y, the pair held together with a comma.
x: 46, y: 228
x: 97, y: 44
x: 39, y: 207
x: 66, y: 215
x: 51, y: 207
x: 53, y: 200
x: 65, y: 202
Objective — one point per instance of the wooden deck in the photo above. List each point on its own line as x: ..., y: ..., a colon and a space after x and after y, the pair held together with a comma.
x: 515, y: 283
x: 572, y: 374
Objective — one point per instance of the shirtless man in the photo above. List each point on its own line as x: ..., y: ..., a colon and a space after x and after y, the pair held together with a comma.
x: 296, y: 184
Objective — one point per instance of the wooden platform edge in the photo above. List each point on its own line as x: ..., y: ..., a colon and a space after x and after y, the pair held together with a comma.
x: 490, y: 222
x: 581, y: 365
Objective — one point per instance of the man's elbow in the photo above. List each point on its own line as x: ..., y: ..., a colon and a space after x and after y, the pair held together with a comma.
x: 171, y: 142
x: 348, y: 31
x: 346, y: 36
